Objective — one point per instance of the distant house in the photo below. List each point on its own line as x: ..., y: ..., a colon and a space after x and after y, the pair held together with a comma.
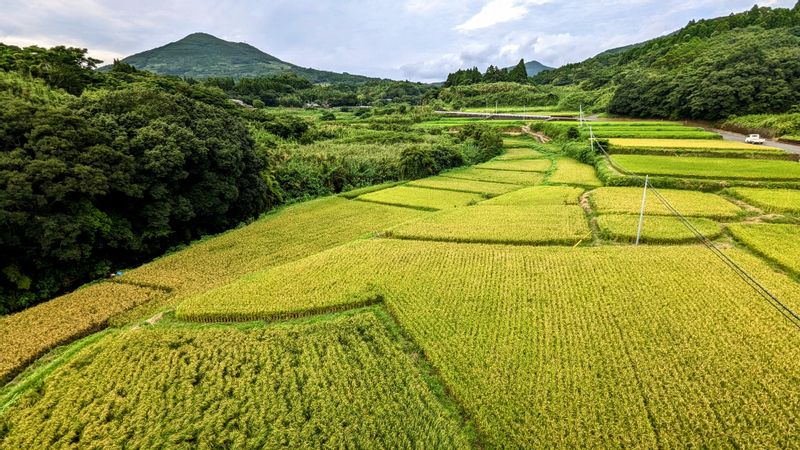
x: 311, y: 105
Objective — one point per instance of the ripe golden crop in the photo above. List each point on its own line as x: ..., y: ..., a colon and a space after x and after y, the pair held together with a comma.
x: 628, y: 200
x: 345, y: 382
x: 546, y: 344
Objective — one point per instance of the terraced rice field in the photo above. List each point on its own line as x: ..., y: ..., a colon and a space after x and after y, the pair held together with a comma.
x: 655, y: 229
x: 30, y: 333
x: 710, y: 168
x: 653, y: 133
x: 777, y: 242
x: 292, y: 386
x: 770, y: 200
x: 722, y: 149
x: 519, y: 153
x: 460, y: 185
x: 421, y: 198
x: 520, y: 165
x: 494, y: 321
x: 534, y: 225
x: 688, y: 143
x: 291, y: 233
x: 498, y: 176
x: 455, y: 311
x: 538, y: 196
x: 628, y: 200
x: 570, y: 171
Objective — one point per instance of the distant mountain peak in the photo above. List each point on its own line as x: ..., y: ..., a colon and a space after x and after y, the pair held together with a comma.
x: 202, y: 55
x: 533, y: 67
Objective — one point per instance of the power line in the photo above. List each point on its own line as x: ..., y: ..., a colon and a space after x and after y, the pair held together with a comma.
x: 751, y: 281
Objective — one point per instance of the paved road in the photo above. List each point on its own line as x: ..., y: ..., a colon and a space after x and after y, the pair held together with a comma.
x: 729, y: 136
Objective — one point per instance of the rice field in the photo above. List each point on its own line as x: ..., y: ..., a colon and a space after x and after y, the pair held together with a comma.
x: 30, y: 333
x: 519, y: 141
x: 534, y: 225
x: 655, y: 229
x: 651, y: 133
x: 570, y: 171
x: 497, y: 176
x: 519, y: 153
x: 461, y: 185
x: 770, y: 200
x: 710, y: 168
x: 628, y: 200
x: 291, y: 233
x: 421, y: 198
x: 519, y: 165
x: 606, y: 325
x: 644, y: 124
x: 470, y: 319
x: 345, y: 382
x: 779, y: 243
x: 538, y: 196
x: 689, y: 144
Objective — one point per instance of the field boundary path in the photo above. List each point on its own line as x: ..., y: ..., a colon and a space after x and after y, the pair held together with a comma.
x: 538, y: 136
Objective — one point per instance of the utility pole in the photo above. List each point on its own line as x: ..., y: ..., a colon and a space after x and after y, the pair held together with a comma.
x: 591, y: 138
x: 581, y: 116
x: 641, y: 212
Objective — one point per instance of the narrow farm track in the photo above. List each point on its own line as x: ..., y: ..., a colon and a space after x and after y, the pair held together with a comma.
x: 453, y: 311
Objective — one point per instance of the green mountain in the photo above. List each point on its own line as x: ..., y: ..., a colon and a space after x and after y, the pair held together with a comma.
x: 201, y: 55
x: 535, y: 67
x: 745, y: 63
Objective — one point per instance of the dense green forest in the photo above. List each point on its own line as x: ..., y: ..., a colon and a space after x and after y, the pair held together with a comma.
x: 292, y: 90
x: 745, y: 63
x: 104, y: 170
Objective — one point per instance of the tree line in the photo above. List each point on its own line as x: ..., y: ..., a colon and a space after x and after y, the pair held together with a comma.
x: 493, y: 74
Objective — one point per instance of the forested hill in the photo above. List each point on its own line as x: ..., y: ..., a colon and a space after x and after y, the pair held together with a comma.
x: 744, y: 63
x: 201, y: 55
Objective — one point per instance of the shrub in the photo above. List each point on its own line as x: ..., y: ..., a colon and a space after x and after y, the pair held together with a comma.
x: 573, y: 133
x: 417, y: 162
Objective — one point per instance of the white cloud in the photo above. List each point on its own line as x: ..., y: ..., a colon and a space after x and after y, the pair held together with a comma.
x: 425, y: 6
x: 498, y: 11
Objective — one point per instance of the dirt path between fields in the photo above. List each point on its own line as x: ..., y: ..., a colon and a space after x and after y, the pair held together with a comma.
x: 538, y: 136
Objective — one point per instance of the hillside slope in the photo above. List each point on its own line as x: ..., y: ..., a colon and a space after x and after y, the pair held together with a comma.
x: 201, y: 55
x: 745, y: 63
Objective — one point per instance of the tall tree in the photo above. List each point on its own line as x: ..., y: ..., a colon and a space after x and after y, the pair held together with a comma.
x: 519, y: 73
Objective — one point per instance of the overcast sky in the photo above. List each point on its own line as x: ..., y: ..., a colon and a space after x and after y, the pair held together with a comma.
x: 419, y: 40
